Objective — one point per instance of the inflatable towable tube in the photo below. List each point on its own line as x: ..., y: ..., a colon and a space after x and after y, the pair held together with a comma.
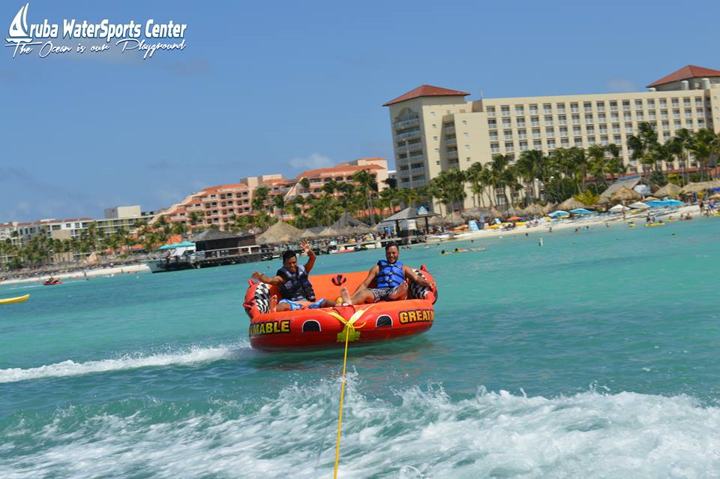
x: 327, y: 327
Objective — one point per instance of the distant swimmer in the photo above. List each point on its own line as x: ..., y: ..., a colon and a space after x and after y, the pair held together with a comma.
x: 541, y: 243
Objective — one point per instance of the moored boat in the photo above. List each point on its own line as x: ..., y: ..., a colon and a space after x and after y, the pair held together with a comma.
x: 327, y: 327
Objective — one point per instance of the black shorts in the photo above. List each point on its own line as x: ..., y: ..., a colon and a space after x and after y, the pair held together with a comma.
x: 382, y: 294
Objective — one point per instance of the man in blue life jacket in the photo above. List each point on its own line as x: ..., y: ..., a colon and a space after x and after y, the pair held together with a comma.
x: 391, y: 284
x: 294, y: 284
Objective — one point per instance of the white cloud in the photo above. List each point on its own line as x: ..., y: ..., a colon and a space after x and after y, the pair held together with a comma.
x: 620, y: 85
x: 315, y: 160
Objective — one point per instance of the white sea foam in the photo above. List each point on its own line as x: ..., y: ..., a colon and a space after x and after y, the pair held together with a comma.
x: 191, y: 355
x: 426, y: 435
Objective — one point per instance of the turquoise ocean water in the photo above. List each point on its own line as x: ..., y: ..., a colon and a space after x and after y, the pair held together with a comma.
x: 595, y: 355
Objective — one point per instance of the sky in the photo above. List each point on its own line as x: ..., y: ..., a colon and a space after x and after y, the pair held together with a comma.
x: 279, y: 87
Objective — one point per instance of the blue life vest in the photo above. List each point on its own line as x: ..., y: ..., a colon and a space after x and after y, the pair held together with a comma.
x: 390, y: 275
x: 297, y: 285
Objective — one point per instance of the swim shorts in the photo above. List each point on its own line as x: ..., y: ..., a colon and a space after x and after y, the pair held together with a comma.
x: 297, y: 305
x: 382, y: 294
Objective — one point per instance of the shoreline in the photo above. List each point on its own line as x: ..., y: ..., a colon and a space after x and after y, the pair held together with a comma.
x: 80, y: 274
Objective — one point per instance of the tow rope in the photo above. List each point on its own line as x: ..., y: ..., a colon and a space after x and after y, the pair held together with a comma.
x: 348, y: 332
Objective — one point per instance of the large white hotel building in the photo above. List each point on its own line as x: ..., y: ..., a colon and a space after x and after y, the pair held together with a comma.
x: 436, y: 129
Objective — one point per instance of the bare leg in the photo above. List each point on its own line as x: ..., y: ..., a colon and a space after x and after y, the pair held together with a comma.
x: 400, y: 293
x: 363, y: 296
x: 345, y: 295
x: 273, y: 303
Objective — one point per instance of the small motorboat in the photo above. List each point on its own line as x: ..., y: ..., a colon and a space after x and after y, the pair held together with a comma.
x: 51, y: 282
x: 16, y: 299
x: 328, y: 327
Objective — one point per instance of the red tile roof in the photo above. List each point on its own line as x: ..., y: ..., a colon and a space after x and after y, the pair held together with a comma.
x: 685, y: 73
x: 345, y: 169
x: 426, y: 90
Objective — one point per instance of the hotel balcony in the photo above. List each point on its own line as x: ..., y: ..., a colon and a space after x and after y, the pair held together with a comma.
x: 452, y: 155
x: 451, y: 142
x: 401, y: 125
x: 408, y: 135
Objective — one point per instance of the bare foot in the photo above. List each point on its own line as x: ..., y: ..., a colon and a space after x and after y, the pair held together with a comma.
x: 345, y: 295
x: 273, y: 303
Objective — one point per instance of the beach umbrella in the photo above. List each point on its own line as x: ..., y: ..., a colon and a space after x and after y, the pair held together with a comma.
x: 625, y: 194
x: 639, y: 205
x: 618, y: 209
x: 581, y: 212
x: 514, y: 218
x: 558, y: 214
x: 570, y: 204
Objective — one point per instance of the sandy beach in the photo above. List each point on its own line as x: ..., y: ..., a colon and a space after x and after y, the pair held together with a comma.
x: 89, y: 273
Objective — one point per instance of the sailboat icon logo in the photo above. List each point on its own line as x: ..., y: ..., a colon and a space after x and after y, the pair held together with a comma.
x: 19, y: 27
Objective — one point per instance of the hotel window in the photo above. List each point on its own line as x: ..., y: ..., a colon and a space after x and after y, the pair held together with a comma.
x: 651, y: 116
x: 590, y: 130
x: 562, y: 119
x: 663, y: 114
x: 549, y: 131
x: 589, y: 119
x: 613, y: 106
x: 663, y: 102
x: 626, y: 105
x: 464, y: 122
x: 640, y: 116
x: 519, y: 110
x: 537, y: 144
x: 578, y: 141
x: 603, y: 130
x: 700, y: 111
x: 677, y: 124
x: 616, y: 128
x: 547, y: 108
x: 560, y: 107
x: 601, y: 117
x: 701, y: 122
x: 564, y: 142
x: 577, y: 130
x: 507, y: 122
x: 614, y: 116
x: 638, y: 104
x: 576, y: 119
x: 494, y: 148
x: 533, y: 109
x: 551, y: 143
x: 536, y: 132
x: 521, y: 122
x: 676, y: 114
x: 588, y: 107
x: 688, y: 114
x: 493, y: 135
x: 535, y: 121
x: 686, y: 101
x: 574, y: 108
x: 548, y: 119
x: 563, y: 132
x: 600, y: 106
x: 604, y: 140
x: 698, y: 101
x: 522, y: 134
x: 491, y: 111
x: 435, y: 138
x: 505, y: 110
x: 507, y: 133
x: 508, y: 146
x: 523, y: 146
x: 675, y: 102
x: 492, y: 123
x: 666, y: 125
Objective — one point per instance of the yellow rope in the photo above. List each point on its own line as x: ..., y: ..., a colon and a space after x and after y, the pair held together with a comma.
x: 342, y: 399
x: 348, y: 330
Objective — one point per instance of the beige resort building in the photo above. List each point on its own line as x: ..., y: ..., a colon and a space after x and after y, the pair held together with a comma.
x: 435, y: 129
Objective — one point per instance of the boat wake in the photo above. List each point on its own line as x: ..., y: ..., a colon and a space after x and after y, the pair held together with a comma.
x: 191, y: 355
x: 421, y: 432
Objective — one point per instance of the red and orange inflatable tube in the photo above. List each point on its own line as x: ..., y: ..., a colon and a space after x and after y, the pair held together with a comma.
x: 327, y: 327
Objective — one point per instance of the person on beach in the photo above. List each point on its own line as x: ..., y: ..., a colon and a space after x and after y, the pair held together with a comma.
x: 391, y: 276
x: 294, y: 284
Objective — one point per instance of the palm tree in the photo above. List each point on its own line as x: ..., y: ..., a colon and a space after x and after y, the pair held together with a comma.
x: 449, y: 188
x: 369, y: 184
x: 531, y: 169
x: 644, y: 146
x: 501, y: 176
x: 704, y: 147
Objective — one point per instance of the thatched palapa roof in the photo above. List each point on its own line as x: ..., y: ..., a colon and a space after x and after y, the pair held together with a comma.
x: 570, y: 204
x: 670, y: 190
x: 625, y: 194
x: 280, y: 232
x: 701, y: 186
